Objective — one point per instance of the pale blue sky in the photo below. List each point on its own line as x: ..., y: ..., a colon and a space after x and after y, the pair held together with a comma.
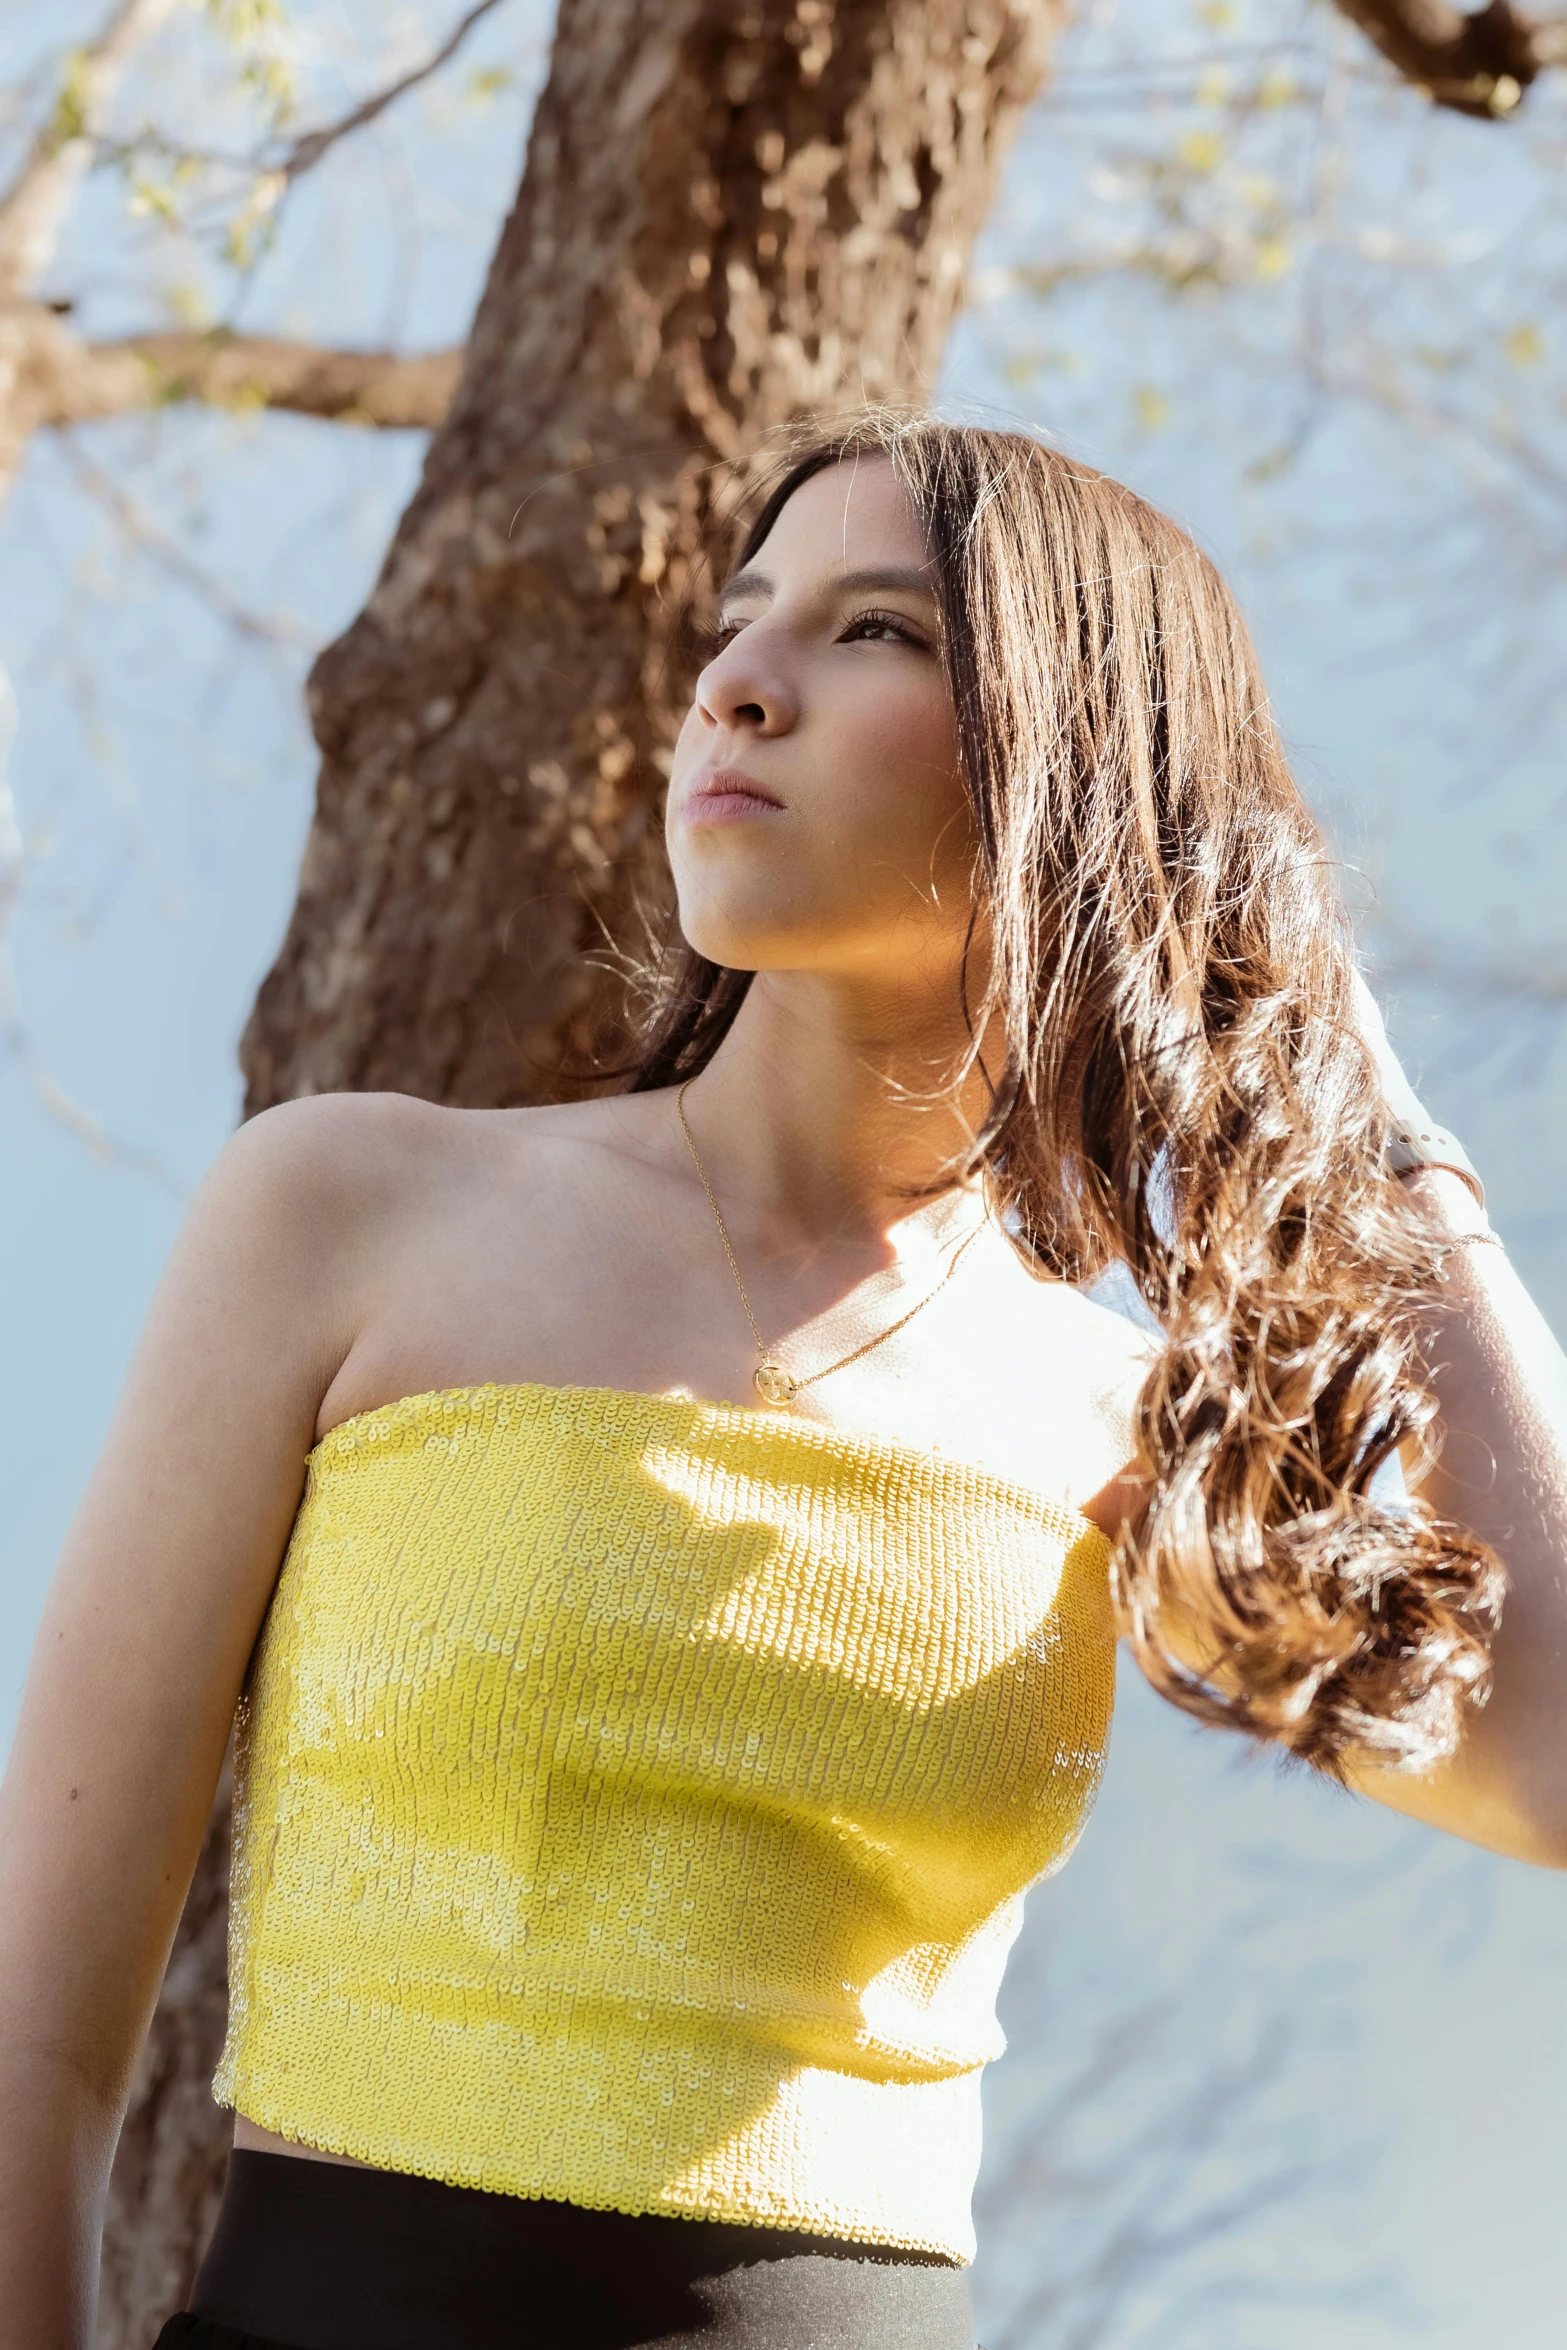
x: 1344, y: 1992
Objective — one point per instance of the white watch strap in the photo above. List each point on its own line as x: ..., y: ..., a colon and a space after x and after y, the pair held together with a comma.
x: 1425, y: 1144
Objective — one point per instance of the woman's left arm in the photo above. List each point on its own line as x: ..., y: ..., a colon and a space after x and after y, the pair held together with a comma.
x: 1500, y: 1382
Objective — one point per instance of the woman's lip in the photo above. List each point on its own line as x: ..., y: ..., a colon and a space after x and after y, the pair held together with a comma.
x: 725, y: 795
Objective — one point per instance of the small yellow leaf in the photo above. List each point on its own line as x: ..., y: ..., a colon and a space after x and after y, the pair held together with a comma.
x: 150, y: 198
x: 70, y: 110
x: 1524, y: 346
x: 1273, y: 257
x: 243, y: 21
x: 1150, y: 407
x: 1213, y: 85
x: 1221, y: 15
x: 245, y: 399
x: 187, y: 299
x: 1277, y: 87
x: 1201, y: 150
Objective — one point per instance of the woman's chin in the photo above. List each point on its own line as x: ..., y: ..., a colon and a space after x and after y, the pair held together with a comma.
x: 725, y: 936
x: 730, y: 950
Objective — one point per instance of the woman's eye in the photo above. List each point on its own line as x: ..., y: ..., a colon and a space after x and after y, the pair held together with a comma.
x: 884, y: 628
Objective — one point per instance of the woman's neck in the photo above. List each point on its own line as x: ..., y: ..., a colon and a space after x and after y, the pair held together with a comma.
x: 829, y: 1111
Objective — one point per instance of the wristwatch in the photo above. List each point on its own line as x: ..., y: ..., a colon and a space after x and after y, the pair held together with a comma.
x: 1420, y: 1143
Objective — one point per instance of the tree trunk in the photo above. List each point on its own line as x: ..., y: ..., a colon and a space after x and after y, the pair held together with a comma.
x: 735, y: 214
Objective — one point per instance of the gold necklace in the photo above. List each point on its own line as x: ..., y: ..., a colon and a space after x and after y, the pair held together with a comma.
x: 773, y: 1382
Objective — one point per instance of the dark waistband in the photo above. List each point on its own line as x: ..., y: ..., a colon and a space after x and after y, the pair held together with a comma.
x: 317, y: 2256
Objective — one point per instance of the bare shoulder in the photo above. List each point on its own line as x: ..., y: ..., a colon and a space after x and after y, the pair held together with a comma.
x: 611, y: 1131
x: 1116, y: 1325
x: 290, y: 1229
x: 1114, y: 1342
x: 1104, y: 1330
x: 572, y: 1162
x: 1075, y: 1382
x: 327, y: 1144
x: 351, y: 1158
x: 332, y: 1171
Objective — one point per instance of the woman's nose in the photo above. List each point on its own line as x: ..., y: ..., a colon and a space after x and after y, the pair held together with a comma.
x: 743, y: 688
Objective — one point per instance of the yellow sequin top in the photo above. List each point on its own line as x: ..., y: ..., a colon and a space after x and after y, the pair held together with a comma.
x: 636, y: 1799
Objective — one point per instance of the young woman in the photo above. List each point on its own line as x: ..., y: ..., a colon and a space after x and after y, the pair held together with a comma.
x: 713, y: 1507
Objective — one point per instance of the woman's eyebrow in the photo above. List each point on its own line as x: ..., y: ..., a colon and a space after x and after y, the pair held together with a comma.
x: 745, y: 583
x: 887, y: 580
x: 879, y: 579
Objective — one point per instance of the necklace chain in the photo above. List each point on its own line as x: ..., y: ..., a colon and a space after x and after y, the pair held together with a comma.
x: 773, y: 1381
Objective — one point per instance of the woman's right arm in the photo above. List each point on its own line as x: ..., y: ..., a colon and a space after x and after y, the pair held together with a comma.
x: 160, y: 1592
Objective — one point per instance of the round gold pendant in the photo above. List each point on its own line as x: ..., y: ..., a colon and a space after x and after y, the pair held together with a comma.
x: 774, y: 1384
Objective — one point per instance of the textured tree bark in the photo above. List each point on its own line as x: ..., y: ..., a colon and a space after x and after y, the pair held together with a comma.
x: 735, y: 214
x: 173, y: 2150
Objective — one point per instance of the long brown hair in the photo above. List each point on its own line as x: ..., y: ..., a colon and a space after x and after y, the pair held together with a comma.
x: 1183, y: 1090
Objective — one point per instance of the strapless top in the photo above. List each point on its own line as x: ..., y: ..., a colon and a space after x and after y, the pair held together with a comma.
x: 635, y: 1801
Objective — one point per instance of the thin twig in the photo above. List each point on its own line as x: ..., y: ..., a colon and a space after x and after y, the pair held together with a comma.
x: 16, y: 1038
x: 308, y: 150
x: 276, y: 634
x: 305, y: 151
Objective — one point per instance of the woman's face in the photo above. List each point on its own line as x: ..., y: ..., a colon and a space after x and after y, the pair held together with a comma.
x: 817, y: 815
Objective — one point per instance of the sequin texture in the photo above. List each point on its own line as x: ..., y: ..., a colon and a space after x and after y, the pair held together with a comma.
x: 636, y: 1800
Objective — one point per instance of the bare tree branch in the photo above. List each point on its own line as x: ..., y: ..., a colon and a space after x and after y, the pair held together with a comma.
x: 56, y: 378
x: 17, y: 1044
x: 34, y: 205
x: 50, y: 376
x: 1130, y: 2209
x: 383, y: 388
x: 278, y: 633
x: 308, y: 150
x: 1481, y: 980
x: 1478, y: 65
